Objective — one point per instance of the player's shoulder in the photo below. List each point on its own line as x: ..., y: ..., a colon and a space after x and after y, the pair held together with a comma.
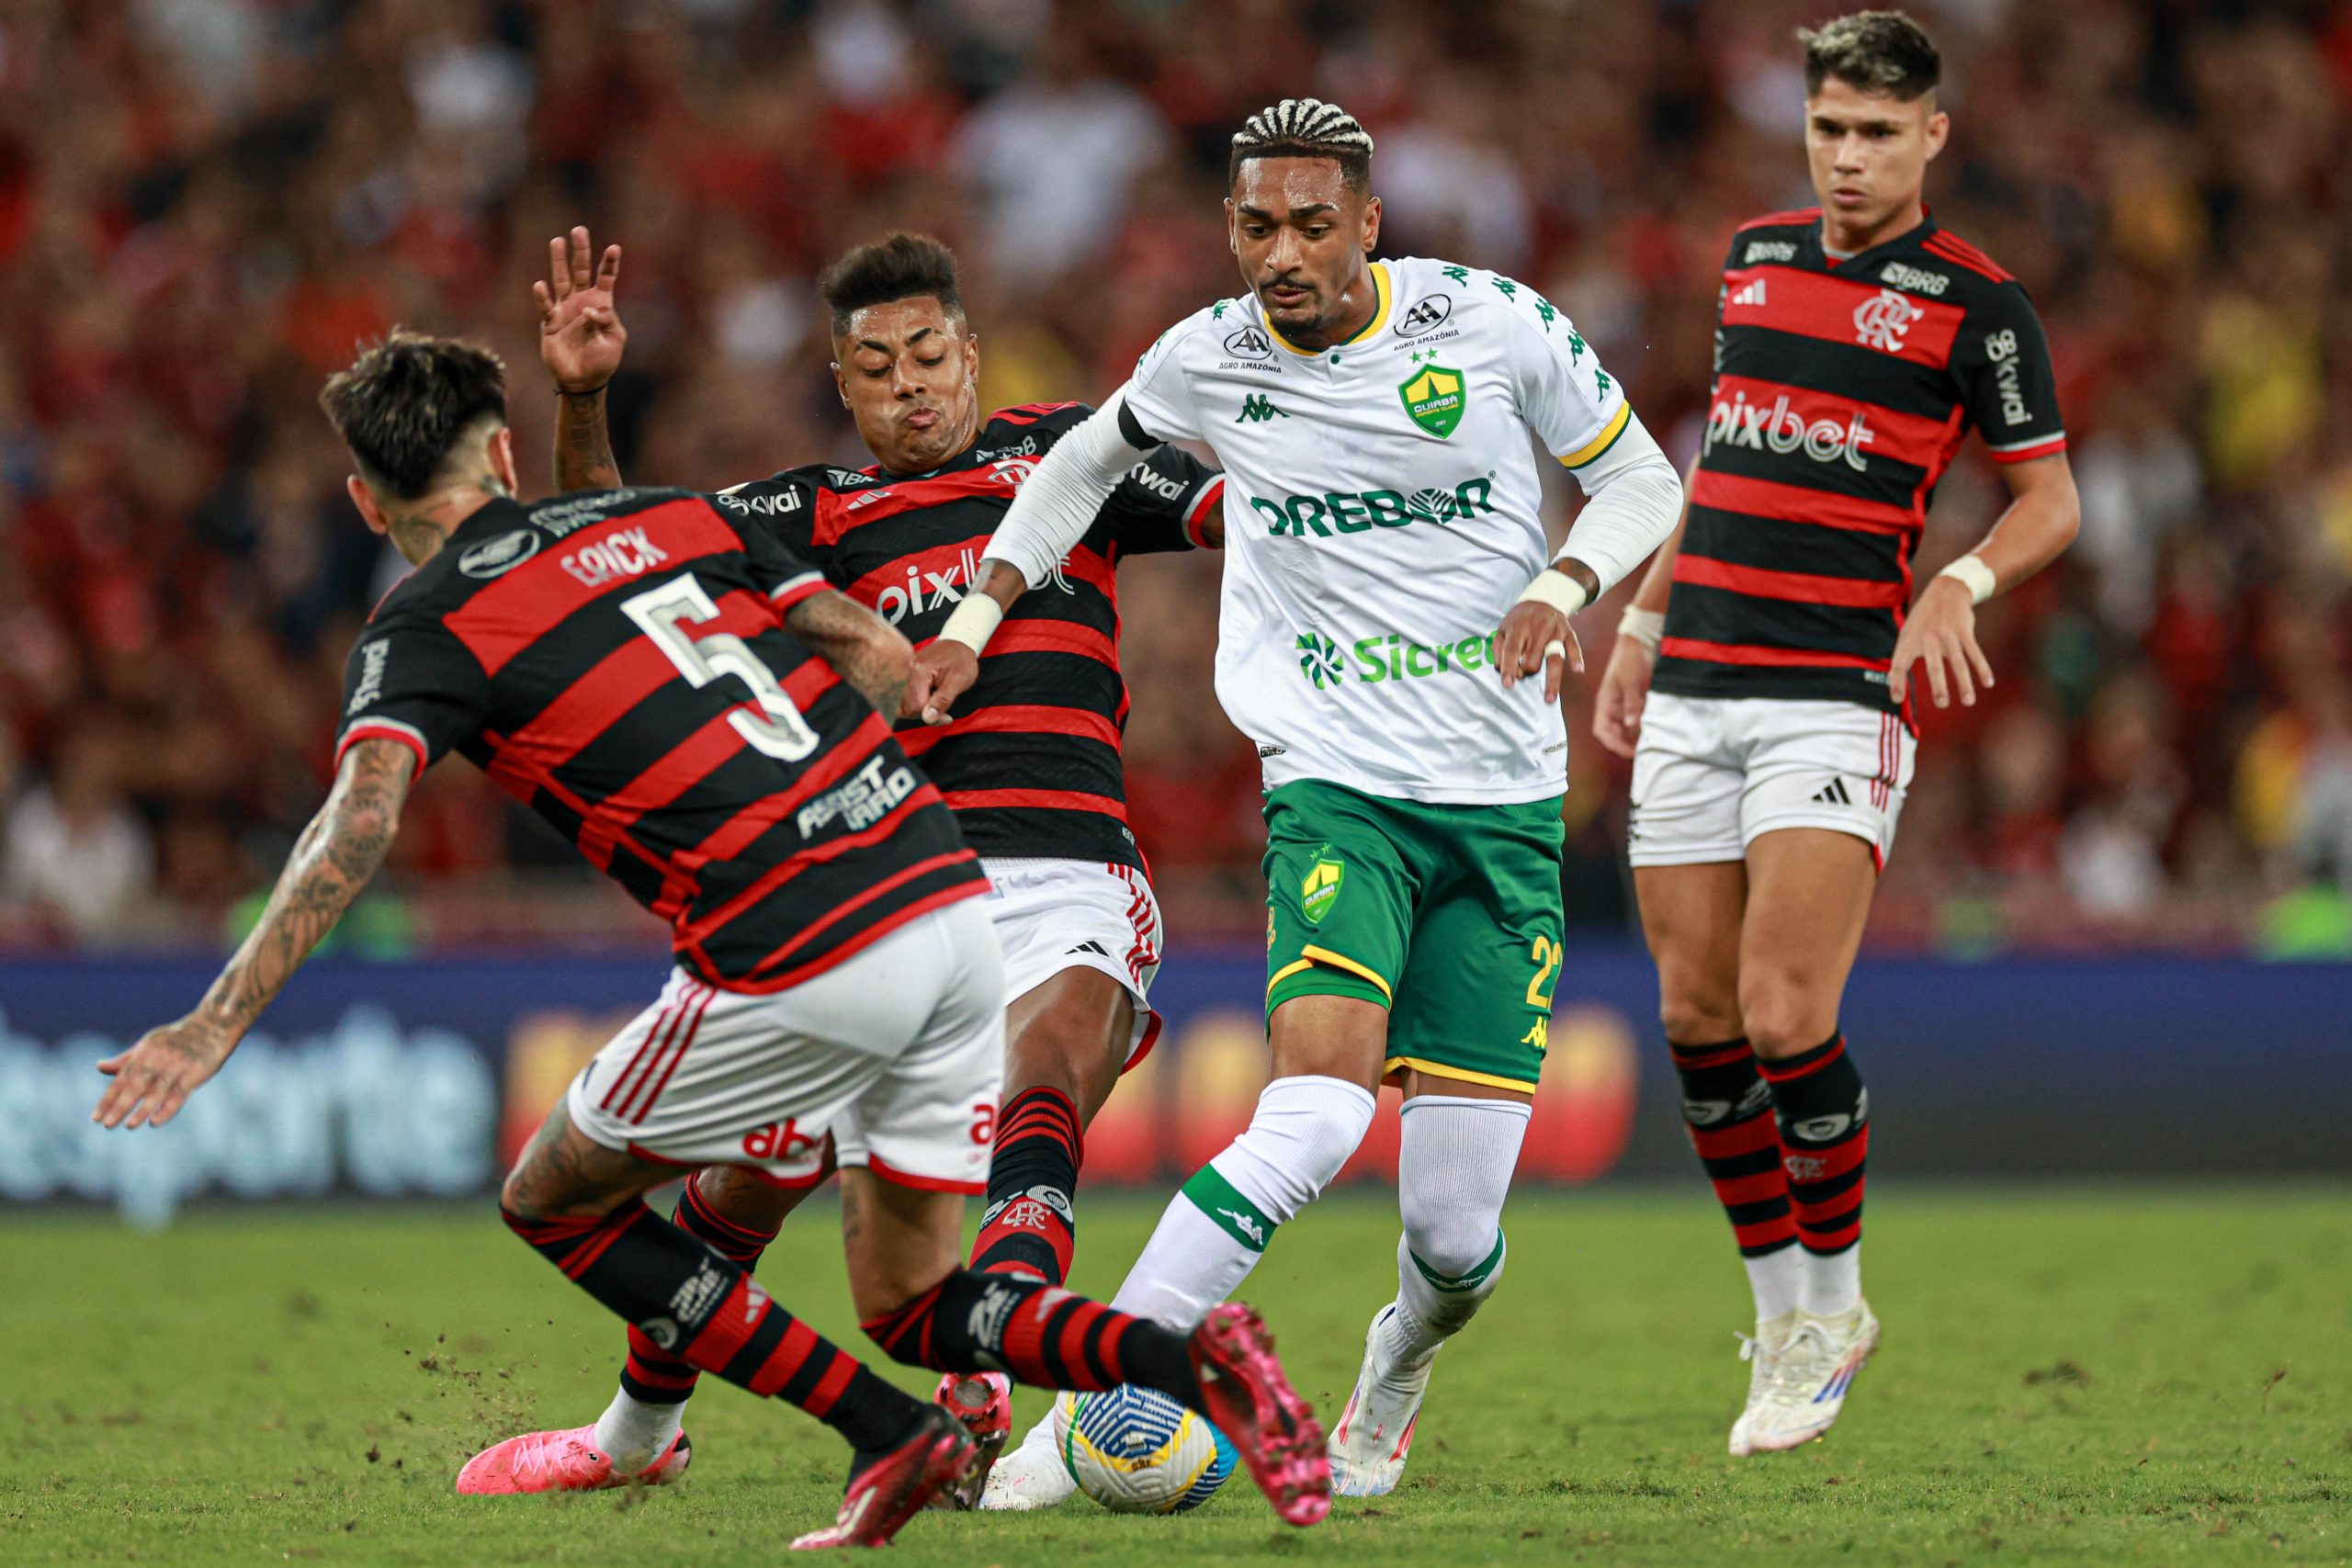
x: 1207, y: 327
x: 1025, y: 430
x: 1431, y: 298
x: 1772, y: 237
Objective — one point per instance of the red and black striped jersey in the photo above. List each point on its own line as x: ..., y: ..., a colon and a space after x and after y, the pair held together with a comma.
x: 1843, y: 388
x: 619, y: 661
x: 1031, y: 763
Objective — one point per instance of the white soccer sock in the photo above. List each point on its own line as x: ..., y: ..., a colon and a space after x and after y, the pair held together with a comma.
x: 1832, y: 1284
x: 1215, y: 1230
x: 1778, y: 1279
x: 633, y: 1434
x: 1453, y: 1165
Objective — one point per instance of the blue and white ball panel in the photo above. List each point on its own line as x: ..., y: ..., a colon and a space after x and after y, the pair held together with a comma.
x: 1135, y: 1451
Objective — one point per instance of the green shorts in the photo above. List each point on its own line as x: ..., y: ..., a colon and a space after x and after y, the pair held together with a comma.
x: 1447, y: 916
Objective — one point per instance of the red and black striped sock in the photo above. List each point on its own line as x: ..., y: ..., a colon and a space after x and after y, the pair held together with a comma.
x: 652, y: 1375
x: 1039, y: 1334
x: 1029, y: 1227
x: 707, y: 1312
x: 1729, y: 1109
x: 1825, y: 1135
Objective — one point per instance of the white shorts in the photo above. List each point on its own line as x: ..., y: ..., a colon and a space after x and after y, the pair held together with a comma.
x: 1052, y: 915
x: 897, y: 1051
x: 1712, y: 774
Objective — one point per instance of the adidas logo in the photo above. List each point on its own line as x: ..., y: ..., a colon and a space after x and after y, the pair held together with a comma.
x: 1090, y: 945
x: 1833, y: 794
x: 1751, y: 295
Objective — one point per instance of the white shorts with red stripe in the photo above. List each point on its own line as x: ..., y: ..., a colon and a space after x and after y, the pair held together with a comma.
x: 1712, y: 775
x: 897, y: 1051
x: 1053, y: 915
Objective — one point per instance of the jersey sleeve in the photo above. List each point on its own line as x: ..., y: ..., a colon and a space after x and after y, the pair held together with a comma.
x: 783, y: 508
x: 1163, y: 504
x: 408, y: 679
x: 2002, y: 363
x: 1160, y: 397
x: 1576, y: 408
x: 782, y: 572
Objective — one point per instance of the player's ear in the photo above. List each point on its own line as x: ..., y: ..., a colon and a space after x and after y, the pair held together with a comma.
x: 1232, y: 232
x: 502, y: 458
x: 1938, y: 131
x: 365, y: 499
x: 1372, y: 225
x: 841, y: 383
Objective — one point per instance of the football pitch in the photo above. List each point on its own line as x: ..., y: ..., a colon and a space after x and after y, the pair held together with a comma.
x: 2156, y: 1375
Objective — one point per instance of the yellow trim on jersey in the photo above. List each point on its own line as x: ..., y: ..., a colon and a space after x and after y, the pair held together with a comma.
x: 1464, y: 1075
x: 1381, y: 296
x: 1311, y: 956
x: 1602, y: 442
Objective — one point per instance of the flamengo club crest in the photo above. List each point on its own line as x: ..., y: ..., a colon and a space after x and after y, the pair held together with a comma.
x: 1433, y: 396
x: 1881, y: 322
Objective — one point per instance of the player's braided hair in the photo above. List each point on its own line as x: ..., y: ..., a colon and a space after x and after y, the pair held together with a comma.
x: 403, y: 405
x: 1306, y: 128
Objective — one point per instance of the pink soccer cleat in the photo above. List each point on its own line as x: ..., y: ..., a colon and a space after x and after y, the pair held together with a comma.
x: 560, y: 1462
x: 894, y: 1488
x: 983, y: 1402
x: 1253, y: 1404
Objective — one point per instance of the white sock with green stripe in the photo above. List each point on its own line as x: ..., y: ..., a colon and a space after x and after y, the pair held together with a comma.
x: 1453, y: 1165
x: 1302, y: 1133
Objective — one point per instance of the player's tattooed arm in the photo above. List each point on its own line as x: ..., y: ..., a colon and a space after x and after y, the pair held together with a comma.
x: 864, y: 649
x: 581, y: 339
x: 341, y: 849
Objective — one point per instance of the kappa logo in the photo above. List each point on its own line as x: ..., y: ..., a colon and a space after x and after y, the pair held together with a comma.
x: 1426, y: 315
x: 1539, y: 1034
x: 495, y: 558
x: 1250, y: 1229
x: 1752, y: 293
x: 1257, y: 408
x: 1248, y: 343
x: 1881, y: 321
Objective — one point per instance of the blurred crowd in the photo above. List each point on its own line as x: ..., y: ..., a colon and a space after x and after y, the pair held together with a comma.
x: 204, y: 204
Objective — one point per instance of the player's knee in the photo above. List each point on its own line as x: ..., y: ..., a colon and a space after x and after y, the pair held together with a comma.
x: 1452, y: 1237
x: 1302, y: 1133
x: 1700, y: 1018
x: 1784, y: 1015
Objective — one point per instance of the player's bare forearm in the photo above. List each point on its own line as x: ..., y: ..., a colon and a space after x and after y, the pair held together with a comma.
x: 862, y: 648
x: 335, y: 856
x: 2039, y: 523
x: 583, y: 443
x: 1002, y: 581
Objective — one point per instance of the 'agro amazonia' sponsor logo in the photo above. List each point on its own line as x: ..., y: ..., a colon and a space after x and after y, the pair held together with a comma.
x: 1248, y: 343
x: 1353, y: 511
x: 1781, y: 429
x: 1389, y: 656
x: 1426, y: 315
x: 1905, y: 276
x: 2001, y: 348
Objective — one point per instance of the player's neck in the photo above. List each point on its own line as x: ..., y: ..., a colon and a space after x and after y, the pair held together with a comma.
x: 1840, y: 240
x: 419, y: 527
x: 1357, y: 300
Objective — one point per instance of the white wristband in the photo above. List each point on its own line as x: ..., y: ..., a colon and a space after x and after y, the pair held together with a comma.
x: 1975, y: 576
x: 973, y: 621
x: 1644, y: 626
x: 1556, y: 588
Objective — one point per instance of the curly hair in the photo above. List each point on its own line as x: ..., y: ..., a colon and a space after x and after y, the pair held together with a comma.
x: 403, y: 405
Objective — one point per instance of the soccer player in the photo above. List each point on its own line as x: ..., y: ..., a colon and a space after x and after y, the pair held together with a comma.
x: 1030, y: 768
x: 1388, y: 605
x: 685, y: 700
x: 1857, y: 343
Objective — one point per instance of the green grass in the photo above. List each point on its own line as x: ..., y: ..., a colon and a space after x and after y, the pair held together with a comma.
x: 2150, y: 1376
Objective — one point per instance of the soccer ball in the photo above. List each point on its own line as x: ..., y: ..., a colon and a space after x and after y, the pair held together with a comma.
x: 1135, y: 1450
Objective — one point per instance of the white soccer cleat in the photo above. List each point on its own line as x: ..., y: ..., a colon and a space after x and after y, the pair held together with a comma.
x: 1375, y: 1432
x: 1034, y: 1475
x: 1762, y: 1355
x: 1820, y: 1363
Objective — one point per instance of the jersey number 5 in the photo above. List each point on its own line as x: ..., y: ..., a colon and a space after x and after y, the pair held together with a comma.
x: 666, y: 612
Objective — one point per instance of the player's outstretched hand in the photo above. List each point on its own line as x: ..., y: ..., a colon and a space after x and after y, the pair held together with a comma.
x: 1624, y: 687
x: 1942, y: 632
x: 155, y: 1077
x: 942, y: 672
x: 581, y: 335
x: 1537, y: 637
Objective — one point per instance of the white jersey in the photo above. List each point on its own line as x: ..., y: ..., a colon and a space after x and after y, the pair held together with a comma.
x: 1382, y: 513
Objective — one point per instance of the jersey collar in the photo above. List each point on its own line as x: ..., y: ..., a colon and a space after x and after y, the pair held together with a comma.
x: 1381, y: 293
